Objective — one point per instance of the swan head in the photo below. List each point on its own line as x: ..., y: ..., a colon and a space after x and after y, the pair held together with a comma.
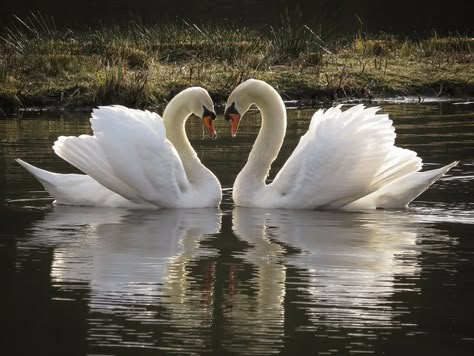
x: 240, y: 101
x: 232, y: 115
x: 208, y: 117
x: 198, y: 102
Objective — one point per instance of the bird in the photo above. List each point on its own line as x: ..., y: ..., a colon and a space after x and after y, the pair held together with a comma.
x: 136, y: 159
x: 346, y: 160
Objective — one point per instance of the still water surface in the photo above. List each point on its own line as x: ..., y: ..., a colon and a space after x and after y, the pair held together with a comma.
x: 77, y: 280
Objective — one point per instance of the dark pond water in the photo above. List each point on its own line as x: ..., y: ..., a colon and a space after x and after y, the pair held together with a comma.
x: 239, y: 281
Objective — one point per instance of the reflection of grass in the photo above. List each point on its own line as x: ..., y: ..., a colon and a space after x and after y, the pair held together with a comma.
x: 145, y: 65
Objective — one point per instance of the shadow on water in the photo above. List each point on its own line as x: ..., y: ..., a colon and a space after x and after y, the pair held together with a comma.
x: 233, y: 280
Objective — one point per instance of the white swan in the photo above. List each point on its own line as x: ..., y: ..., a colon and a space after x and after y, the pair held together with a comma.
x: 137, y: 160
x: 345, y: 160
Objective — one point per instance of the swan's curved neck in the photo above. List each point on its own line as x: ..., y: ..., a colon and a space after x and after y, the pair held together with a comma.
x: 174, y: 119
x: 270, y: 138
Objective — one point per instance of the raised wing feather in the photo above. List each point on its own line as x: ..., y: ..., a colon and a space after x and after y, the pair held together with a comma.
x: 337, y: 160
x: 129, y: 154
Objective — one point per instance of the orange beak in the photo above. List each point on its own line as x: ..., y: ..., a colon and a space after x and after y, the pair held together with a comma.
x: 234, y: 124
x: 209, y: 123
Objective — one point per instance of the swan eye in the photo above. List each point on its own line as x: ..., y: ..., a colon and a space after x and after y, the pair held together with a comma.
x: 230, y: 111
x: 208, y: 113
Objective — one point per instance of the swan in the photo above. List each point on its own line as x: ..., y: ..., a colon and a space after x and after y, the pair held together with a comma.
x: 346, y: 160
x: 135, y: 159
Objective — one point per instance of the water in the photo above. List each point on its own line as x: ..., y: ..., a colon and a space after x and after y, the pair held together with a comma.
x: 77, y: 280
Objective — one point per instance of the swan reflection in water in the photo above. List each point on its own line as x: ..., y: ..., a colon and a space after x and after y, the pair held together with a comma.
x: 343, y: 266
x: 136, y: 265
x: 143, y: 269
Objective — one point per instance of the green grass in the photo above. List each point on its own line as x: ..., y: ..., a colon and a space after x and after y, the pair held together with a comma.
x: 144, y: 66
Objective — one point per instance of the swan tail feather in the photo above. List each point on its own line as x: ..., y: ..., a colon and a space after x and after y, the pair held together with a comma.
x: 78, y: 189
x: 402, y: 191
x: 48, y: 180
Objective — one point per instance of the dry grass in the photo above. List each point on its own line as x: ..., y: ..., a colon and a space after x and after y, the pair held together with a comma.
x: 145, y: 66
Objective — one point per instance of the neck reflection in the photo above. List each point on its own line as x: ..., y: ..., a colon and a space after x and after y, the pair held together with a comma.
x: 344, y: 264
x: 137, y: 267
x: 249, y: 276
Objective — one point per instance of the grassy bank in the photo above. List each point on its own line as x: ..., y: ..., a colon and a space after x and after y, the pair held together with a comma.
x: 144, y: 66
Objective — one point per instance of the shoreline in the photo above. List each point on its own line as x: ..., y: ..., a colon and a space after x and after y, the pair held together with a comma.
x: 290, y: 104
x: 11, y: 105
x: 144, y: 67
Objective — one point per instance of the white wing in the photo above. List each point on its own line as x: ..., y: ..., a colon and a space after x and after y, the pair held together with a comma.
x: 129, y: 154
x: 344, y: 156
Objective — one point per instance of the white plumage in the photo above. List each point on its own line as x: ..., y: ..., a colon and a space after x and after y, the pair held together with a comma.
x: 129, y: 162
x: 346, y: 159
